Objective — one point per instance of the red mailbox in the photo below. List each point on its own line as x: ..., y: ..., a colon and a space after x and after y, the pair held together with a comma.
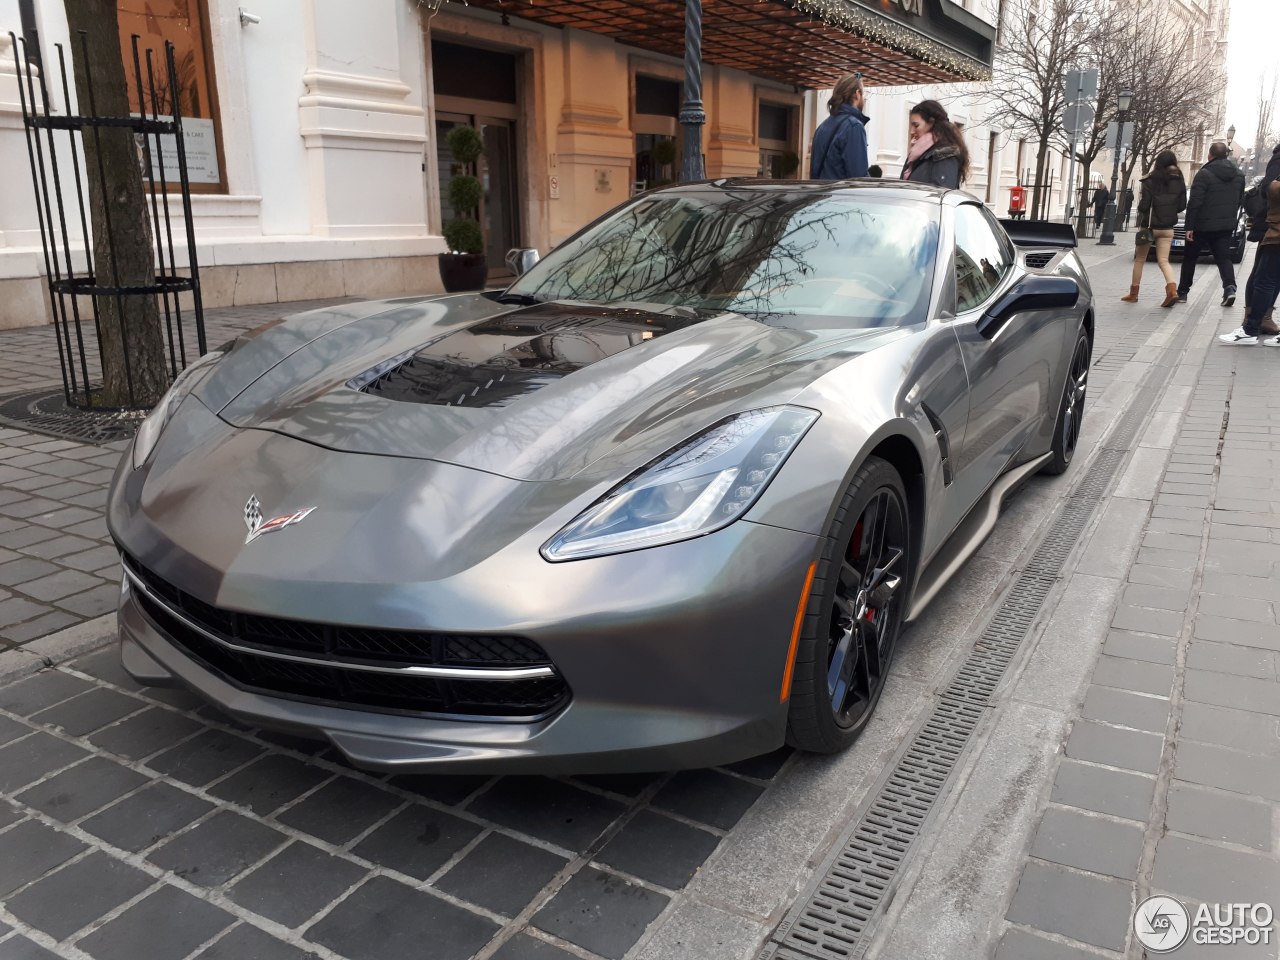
x: 1017, y: 202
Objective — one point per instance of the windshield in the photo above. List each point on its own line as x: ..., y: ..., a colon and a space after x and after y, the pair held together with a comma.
x: 796, y: 259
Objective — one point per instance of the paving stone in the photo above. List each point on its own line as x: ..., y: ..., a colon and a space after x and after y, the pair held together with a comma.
x: 165, y: 925
x: 708, y: 796
x: 1228, y: 658
x: 524, y: 947
x: 600, y: 912
x: 144, y: 733
x: 1161, y: 598
x: 1143, y: 620
x: 18, y: 610
x: 1104, y: 791
x: 1138, y: 646
x: 1251, y: 732
x: 93, y: 603
x: 143, y: 819
x: 627, y: 784
x: 1174, y: 559
x: 340, y: 810
x: 90, y: 710
x: 1130, y: 749
x: 659, y: 850
x: 30, y: 507
x: 1227, y: 770
x: 1212, y: 873
x: 449, y: 790
x: 40, y: 691
x: 1127, y: 674
x: 1235, y: 608
x: 1127, y: 709
x: 295, y: 884
x: 11, y: 730
x: 76, y: 895
x: 269, y: 783
x: 1086, y: 908
x: 249, y: 943
x: 27, y: 760
x: 1091, y: 843
x: 17, y: 572
x: 1219, y: 816
x: 1229, y: 585
x: 59, y: 547
x: 1173, y: 541
x: 82, y: 789
x: 31, y: 849
x: 24, y: 537
x: 1224, y: 690
x: 41, y: 626
x: 417, y: 841
x: 764, y: 767
x: 1021, y: 945
x: 358, y: 927
x: 1225, y: 630
x: 95, y: 529
x: 548, y: 810
x: 205, y: 757
x: 524, y: 868
x: 217, y: 849
x: 62, y: 584
x: 67, y: 516
x: 20, y: 948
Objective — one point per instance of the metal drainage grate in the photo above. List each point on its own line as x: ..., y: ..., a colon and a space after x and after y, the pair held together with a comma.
x: 46, y: 411
x: 837, y: 917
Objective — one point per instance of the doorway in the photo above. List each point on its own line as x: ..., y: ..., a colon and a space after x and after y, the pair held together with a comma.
x: 479, y: 87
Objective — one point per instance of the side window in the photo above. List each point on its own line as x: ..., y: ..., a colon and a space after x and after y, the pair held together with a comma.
x: 983, y: 259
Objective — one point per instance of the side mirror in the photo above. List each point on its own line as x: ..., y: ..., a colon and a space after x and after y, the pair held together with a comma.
x: 522, y: 259
x: 1029, y: 293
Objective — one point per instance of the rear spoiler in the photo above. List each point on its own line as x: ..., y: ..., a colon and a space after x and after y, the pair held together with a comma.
x: 1039, y: 233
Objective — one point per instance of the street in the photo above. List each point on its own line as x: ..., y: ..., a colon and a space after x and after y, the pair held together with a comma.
x: 1087, y: 715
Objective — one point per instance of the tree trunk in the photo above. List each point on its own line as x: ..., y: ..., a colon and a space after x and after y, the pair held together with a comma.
x: 134, y: 371
x: 1037, y: 196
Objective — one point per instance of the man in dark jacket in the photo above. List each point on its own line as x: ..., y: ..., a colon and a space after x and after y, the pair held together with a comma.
x: 1213, y: 209
x: 1100, y: 198
x: 840, y: 142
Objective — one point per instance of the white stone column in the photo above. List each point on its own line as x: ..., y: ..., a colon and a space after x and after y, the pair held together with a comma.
x: 364, y: 131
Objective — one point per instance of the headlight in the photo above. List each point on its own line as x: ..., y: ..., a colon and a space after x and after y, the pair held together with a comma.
x: 700, y: 486
x: 144, y: 441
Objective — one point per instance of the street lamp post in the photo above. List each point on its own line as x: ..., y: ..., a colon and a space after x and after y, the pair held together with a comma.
x: 1108, y: 238
x: 692, y: 114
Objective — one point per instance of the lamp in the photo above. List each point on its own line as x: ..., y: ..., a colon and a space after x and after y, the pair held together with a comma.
x: 1123, y: 102
x: 1231, y: 138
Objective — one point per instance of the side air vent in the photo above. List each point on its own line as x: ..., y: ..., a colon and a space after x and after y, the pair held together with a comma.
x: 1040, y: 259
x: 944, y: 444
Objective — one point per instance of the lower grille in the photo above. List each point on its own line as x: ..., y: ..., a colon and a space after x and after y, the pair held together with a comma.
x: 338, y: 658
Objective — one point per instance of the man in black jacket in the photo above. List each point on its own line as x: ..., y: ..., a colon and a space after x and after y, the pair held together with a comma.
x: 1213, y: 209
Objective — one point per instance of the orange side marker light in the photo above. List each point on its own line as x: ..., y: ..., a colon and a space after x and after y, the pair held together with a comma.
x: 795, y: 634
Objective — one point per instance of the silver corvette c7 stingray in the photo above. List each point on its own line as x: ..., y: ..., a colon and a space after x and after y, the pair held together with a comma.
x: 667, y: 501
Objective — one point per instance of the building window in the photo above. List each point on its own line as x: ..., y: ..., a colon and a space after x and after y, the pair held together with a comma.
x: 775, y: 125
x: 185, y: 24
x: 656, y: 124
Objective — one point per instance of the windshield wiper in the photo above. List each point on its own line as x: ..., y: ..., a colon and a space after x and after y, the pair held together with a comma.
x: 516, y: 299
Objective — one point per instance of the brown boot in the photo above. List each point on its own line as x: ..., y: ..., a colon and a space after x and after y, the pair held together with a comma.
x: 1269, y: 324
x: 1170, y: 294
x: 1133, y: 295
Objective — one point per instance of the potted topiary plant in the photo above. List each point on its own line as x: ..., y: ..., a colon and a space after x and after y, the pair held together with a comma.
x: 465, y: 266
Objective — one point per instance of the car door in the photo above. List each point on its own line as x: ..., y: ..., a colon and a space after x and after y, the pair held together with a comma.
x: 1010, y: 368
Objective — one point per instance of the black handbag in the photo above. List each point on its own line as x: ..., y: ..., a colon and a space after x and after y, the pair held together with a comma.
x: 1144, y: 237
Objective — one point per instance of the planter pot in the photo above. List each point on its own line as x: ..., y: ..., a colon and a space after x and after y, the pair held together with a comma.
x: 463, y: 271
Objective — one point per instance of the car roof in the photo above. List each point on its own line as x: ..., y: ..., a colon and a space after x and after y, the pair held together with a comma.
x: 889, y: 189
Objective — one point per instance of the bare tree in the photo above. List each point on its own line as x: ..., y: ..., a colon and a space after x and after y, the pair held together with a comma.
x: 133, y: 360
x: 1266, y: 133
x: 1040, y: 41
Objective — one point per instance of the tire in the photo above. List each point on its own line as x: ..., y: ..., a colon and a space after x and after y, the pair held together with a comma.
x: 1066, y: 431
x: 850, y: 558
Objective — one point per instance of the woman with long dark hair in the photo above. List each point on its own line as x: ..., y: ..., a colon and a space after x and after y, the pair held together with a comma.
x: 937, y: 153
x: 1163, y: 197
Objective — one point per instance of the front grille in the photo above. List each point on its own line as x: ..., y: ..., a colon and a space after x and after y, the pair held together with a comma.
x: 335, y: 680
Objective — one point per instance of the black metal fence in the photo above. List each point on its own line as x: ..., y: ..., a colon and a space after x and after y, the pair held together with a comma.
x: 60, y: 201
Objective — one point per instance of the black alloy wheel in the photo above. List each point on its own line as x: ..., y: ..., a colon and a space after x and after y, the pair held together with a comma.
x: 1066, y: 434
x: 856, y: 608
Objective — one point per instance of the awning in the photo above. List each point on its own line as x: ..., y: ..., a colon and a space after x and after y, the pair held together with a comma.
x: 807, y: 43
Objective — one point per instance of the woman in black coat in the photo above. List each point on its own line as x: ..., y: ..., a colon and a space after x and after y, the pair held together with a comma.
x: 937, y: 153
x: 1163, y: 197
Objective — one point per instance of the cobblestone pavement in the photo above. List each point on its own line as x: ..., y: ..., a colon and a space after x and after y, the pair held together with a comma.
x: 1134, y: 750
x: 57, y: 566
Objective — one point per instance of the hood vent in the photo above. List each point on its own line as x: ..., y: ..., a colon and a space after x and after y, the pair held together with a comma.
x: 1040, y: 259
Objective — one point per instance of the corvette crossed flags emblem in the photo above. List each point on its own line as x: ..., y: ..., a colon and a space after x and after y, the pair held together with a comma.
x: 253, y: 519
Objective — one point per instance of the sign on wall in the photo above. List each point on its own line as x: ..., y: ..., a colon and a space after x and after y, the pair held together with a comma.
x: 202, y: 152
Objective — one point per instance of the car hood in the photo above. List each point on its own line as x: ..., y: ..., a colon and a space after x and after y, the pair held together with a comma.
x: 536, y: 392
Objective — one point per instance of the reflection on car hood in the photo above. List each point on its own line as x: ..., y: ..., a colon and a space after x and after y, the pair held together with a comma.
x: 531, y: 393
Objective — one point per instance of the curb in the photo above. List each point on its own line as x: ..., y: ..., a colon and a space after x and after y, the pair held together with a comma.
x: 57, y: 648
